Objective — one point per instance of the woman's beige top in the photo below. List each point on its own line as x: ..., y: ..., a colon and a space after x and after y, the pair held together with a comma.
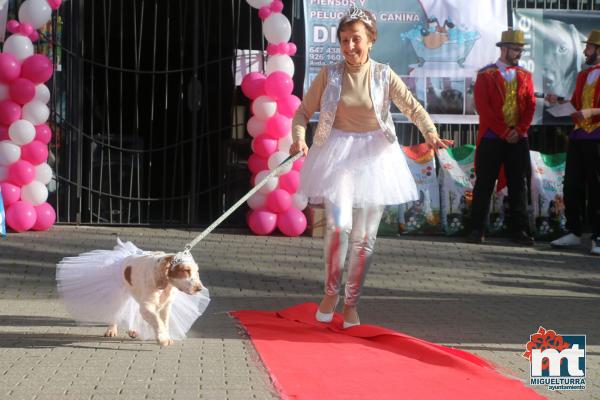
x: 355, y: 111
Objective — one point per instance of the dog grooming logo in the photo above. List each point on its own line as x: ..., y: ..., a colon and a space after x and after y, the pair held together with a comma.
x: 557, y: 361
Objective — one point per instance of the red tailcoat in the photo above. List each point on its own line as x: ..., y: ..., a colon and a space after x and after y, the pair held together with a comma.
x: 489, y: 99
x: 576, y: 99
x: 490, y: 92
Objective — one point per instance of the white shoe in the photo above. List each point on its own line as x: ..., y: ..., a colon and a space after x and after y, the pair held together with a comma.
x: 326, y: 317
x: 595, y: 250
x: 351, y: 324
x: 569, y: 240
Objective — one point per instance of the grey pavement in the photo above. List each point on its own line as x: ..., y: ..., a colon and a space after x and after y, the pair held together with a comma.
x: 486, y: 299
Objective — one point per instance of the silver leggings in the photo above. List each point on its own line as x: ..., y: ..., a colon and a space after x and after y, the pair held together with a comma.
x: 360, y: 226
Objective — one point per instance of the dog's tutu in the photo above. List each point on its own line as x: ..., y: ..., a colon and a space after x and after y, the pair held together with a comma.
x: 93, y: 289
x: 364, y: 167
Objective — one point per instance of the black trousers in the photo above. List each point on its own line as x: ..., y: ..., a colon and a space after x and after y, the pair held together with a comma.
x: 491, y: 155
x: 582, y: 174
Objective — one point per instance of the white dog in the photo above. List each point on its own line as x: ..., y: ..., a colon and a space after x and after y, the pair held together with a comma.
x: 152, y: 295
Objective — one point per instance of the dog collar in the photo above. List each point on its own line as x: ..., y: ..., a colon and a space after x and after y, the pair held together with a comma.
x: 182, y: 257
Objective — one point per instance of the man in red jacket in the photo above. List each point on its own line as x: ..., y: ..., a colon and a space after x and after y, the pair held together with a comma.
x: 505, y: 102
x: 582, y: 172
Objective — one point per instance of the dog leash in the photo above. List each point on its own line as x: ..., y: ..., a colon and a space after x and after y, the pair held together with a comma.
x: 284, y: 164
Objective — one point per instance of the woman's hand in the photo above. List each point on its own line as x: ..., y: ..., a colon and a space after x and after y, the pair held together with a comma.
x: 297, y: 146
x: 435, y: 142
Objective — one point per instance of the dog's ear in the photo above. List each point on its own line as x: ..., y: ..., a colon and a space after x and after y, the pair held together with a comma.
x: 162, y: 272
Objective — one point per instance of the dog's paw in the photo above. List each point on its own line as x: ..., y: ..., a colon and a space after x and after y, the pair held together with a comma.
x: 165, y: 341
x: 111, y: 331
x: 132, y: 334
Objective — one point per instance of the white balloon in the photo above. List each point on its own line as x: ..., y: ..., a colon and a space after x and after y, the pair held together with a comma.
x: 3, y: 173
x: 36, y: 112
x: 9, y: 152
x: 277, y: 28
x: 285, y: 143
x: 18, y: 45
x: 271, y: 182
x: 280, y: 62
x: 255, y: 126
x: 259, y: 3
x: 299, y: 201
x: 21, y: 132
x: 4, y: 92
x: 34, y: 193
x: 277, y: 158
x: 264, y: 107
x: 42, y: 93
x: 43, y: 173
x: 257, y: 200
x: 35, y: 13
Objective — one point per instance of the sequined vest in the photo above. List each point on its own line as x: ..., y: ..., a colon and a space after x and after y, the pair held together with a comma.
x: 510, y: 109
x: 380, y: 96
x: 587, y: 101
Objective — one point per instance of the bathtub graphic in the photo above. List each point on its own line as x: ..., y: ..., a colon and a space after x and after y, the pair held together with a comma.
x: 441, y: 43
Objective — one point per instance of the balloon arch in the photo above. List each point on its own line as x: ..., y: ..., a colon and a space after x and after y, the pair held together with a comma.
x: 24, y: 134
x: 277, y: 204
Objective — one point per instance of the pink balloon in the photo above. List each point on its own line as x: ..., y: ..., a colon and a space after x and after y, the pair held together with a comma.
x: 290, y: 181
x: 253, y: 85
x: 10, y: 193
x: 4, y: 133
x: 46, y: 216
x: 35, y: 152
x: 37, y: 68
x: 257, y: 163
x: 264, y: 146
x: 292, y: 222
x: 278, y: 126
x: 279, y: 85
x: 288, y: 105
x: 54, y: 4
x: 262, y: 222
x: 21, y: 216
x: 9, y: 112
x: 283, y: 48
x: 297, y: 166
x: 292, y: 49
x: 13, y: 26
x: 10, y: 67
x: 271, y: 49
x: 22, y: 90
x: 25, y: 29
x: 264, y: 12
x: 21, y: 173
x: 279, y: 201
x: 43, y: 133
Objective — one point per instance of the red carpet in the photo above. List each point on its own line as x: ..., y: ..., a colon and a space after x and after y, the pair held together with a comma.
x: 311, y: 360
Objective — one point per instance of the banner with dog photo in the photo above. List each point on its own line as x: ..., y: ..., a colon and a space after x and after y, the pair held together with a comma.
x: 436, y: 46
x: 554, y: 52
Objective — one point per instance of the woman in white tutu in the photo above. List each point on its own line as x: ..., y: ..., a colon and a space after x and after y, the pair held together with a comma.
x: 95, y: 289
x: 355, y: 166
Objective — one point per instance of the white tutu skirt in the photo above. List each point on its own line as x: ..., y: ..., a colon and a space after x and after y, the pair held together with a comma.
x: 93, y: 289
x: 364, y: 167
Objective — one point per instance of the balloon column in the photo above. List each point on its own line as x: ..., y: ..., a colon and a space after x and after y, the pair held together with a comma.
x: 24, y: 134
x: 276, y: 205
